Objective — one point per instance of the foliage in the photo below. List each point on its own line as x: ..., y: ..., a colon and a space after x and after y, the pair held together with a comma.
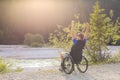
x: 113, y: 33
x: 34, y: 40
x: 114, y: 59
x: 28, y: 39
x: 36, y: 44
x: 102, y: 31
x: 61, y: 38
x: 98, y: 34
x: 3, y: 66
x: 116, y: 33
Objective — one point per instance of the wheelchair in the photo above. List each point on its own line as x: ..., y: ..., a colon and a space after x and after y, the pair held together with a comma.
x: 68, y: 64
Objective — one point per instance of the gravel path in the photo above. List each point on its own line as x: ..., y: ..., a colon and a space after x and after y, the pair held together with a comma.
x: 96, y: 72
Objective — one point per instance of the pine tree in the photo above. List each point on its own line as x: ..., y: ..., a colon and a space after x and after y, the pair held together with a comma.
x: 98, y: 33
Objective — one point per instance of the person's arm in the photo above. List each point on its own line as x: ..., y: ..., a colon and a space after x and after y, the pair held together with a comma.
x: 72, y: 29
x: 87, y: 30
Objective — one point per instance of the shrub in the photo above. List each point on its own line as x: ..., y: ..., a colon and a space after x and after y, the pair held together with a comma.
x: 3, y: 66
x: 60, y: 38
x: 114, y: 59
x: 34, y: 40
x: 35, y: 44
x: 28, y: 39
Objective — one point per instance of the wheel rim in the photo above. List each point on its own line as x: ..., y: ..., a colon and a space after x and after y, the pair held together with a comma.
x: 67, y: 65
x: 83, y: 65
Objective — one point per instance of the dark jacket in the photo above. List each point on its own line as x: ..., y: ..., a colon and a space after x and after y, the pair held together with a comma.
x: 77, y: 50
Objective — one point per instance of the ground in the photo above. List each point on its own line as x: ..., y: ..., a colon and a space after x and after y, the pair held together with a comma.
x: 37, y: 68
x: 95, y: 72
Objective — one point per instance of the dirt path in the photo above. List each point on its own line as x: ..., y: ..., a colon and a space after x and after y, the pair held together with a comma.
x: 97, y: 72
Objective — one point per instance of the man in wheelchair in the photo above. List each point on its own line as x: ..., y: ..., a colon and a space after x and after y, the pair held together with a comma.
x: 79, y: 41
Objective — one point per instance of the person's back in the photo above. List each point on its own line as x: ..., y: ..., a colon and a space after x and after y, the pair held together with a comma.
x: 77, y: 50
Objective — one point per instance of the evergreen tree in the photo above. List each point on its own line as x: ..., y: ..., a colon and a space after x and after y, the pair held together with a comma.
x: 98, y: 34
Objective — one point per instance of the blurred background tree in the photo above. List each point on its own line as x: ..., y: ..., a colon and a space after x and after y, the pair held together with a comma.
x: 61, y: 38
x: 34, y: 40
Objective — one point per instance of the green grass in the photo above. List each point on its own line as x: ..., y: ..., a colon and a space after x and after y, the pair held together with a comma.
x: 5, y: 67
x: 114, y: 59
x: 111, y: 59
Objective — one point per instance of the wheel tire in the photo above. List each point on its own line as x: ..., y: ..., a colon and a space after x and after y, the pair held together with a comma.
x: 84, y: 63
x: 65, y: 66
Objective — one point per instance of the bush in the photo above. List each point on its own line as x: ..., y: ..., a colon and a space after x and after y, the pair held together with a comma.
x: 3, y: 66
x: 61, y: 38
x: 34, y: 40
x: 28, y: 39
x: 35, y: 44
x: 114, y: 59
x: 6, y: 67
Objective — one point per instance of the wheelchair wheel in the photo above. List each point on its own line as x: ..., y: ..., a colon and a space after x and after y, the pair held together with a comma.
x: 67, y: 65
x: 83, y: 65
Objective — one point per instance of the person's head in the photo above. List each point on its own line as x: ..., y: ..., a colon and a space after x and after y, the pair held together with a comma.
x: 80, y: 36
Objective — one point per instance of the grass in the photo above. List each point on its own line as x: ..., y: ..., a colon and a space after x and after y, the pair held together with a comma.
x: 114, y: 59
x: 111, y: 59
x: 5, y: 67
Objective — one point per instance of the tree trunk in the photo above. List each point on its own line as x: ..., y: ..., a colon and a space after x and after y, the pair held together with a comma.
x: 99, y: 47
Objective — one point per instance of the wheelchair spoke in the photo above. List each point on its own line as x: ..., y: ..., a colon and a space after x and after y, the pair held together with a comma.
x: 67, y: 65
x: 83, y: 65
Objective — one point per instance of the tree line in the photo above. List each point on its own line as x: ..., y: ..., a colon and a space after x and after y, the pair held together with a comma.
x: 9, y: 36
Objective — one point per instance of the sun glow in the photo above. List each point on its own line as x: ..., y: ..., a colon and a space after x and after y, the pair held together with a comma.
x: 36, y: 15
